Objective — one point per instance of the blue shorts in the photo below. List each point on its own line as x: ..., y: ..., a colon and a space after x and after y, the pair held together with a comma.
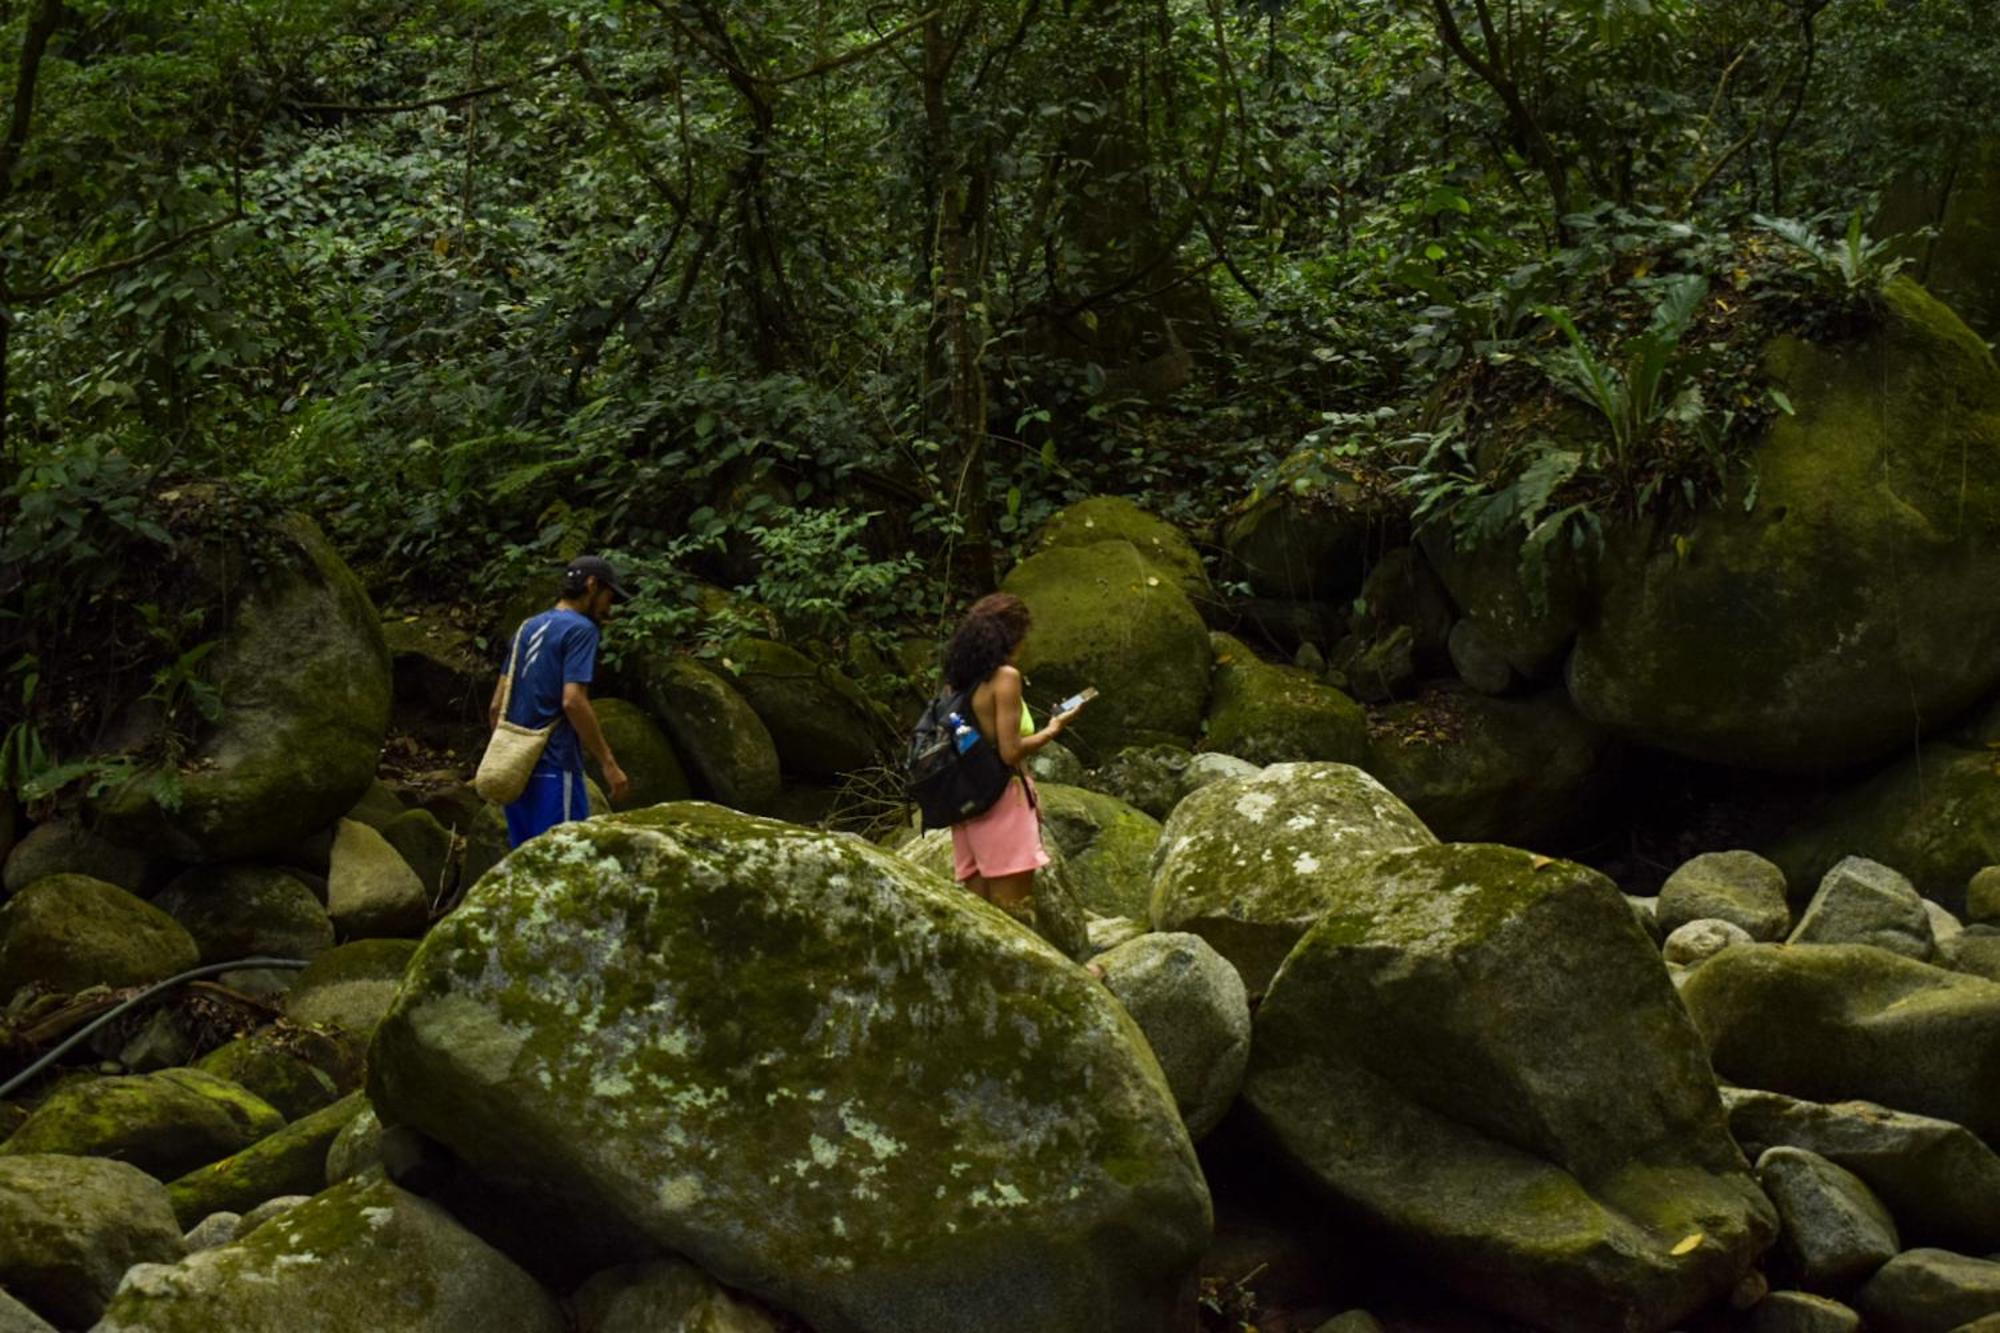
x: 554, y: 796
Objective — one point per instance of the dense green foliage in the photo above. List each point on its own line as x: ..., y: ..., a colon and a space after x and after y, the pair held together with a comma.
x: 833, y: 302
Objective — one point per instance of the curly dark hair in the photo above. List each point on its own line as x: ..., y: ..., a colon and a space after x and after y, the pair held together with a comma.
x: 991, y: 630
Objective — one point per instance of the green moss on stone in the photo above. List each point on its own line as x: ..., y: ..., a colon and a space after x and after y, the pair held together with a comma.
x: 165, y: 1124
x: 824, y: 1075
x: 1113, y: 518
x: 290, y: 1161
x: 1278, y: 714
x: 1864, y: 573
x: 70, y: 932
x: 1104, y: 618
x: 643, y: 751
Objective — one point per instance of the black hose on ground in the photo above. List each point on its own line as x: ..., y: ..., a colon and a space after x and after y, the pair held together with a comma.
x: 22, y: 1079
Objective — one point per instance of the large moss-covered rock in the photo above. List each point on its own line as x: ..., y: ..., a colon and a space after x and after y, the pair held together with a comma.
x: 166, y: 1124
x: 819, y: 720
x: 1105, y: 518
x: 1103, y: 617
x: 827, y: 1077
x: 290, y: 1161
x: 1938, y: 1179
x: 70, y: 931
x: 1107, y: 844
x: 727, y: 748
x: 1270, y: 714
x: 1059, y: 910
x: 1250, y: 863
x: 363, y: 1257
x: 1478, y: 769
x: 1477, y: 1051
x: 1831, y: 1022
x: 62, y: 847
x: 1856, y: 594
x: 244, y: 911
x: 265, y: 1063
x: 644, y: 752
x: 1934, y: 815
x: 303, y: 676
x: 71, y: 1226
x: 370, y: 889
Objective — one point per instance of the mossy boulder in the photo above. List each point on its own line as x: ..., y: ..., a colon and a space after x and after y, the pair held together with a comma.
x: 69, y: 932
x: 1830, y: 1022
x: 1104, y: 617
x: 370, y: 889
x: 1865, y: 902
x: 1735, y: 886
x: 644, y: 752
x: 246, y: 911
x: 1477, y: 1053
x: 1107, y: 844
x: 166, y: 1124
x: 426, y: 846
x: 819, y: 720
x: 1525, y: 620
x: 357, y: 1147
x: 1309, y: 539
x: 827, y: 1077
x: 1192, y: 1007
x: 71, y: 1226
x: 1270, y: 714
x: 348, y: 989
x: 660, y: 1295
x: 377, y: 806
x: 363, y: 1257
x: 290, y: 1161
x: 266, y: 1063
x: 1250, y: 863
x: 1476, y: 768
x: 1934, y: 815
x: 1113, y: 518
x: 62, y: 847
x: 303, y: 676
x: 1856, y: 597
x: 1059, y: 911
x: 1938, y: 1179
x: 1931, y: 1291
x: 727, y: 748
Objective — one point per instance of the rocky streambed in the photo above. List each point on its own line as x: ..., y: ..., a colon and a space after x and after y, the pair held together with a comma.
x: 1378, y: 1042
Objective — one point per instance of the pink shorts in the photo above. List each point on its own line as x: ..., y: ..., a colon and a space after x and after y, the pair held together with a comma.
x: 1006, y: 840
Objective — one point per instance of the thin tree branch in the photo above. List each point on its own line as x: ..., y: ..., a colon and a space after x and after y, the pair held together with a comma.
x: 146, y: 256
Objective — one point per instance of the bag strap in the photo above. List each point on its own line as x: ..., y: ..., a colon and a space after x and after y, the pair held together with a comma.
x: 507, y: 681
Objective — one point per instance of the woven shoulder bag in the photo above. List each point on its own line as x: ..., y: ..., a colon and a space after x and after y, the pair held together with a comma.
x: 513, y: 750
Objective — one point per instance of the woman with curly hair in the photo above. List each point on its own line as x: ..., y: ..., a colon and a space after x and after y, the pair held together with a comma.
x: 996, y: 854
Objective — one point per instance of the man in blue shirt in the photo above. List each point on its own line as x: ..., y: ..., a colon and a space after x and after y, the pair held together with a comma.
x: 555, y: 657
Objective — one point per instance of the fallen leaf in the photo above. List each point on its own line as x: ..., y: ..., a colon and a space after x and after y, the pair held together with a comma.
x: 1689, y: 1245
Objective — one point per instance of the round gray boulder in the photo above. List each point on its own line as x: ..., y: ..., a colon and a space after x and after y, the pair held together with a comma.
x: 1739, y: 887
x: 71, y: 1226
x: 1192, y: 1007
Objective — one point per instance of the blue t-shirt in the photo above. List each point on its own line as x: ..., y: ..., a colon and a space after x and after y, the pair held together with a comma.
x: 556, y: 647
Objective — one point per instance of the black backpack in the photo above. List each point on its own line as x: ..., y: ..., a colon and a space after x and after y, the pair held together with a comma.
x: 949, y: 785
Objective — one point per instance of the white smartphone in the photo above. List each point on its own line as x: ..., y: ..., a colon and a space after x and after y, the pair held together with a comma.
x: 1077, y: 700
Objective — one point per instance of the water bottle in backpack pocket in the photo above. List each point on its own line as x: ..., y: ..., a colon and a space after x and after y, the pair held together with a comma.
x: 952, y: 772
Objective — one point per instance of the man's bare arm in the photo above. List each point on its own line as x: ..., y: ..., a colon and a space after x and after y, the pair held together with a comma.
x: 576, y: 707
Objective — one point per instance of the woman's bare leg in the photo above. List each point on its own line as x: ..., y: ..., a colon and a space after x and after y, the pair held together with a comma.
x: 978, y: 885
x: 1014, y: 895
